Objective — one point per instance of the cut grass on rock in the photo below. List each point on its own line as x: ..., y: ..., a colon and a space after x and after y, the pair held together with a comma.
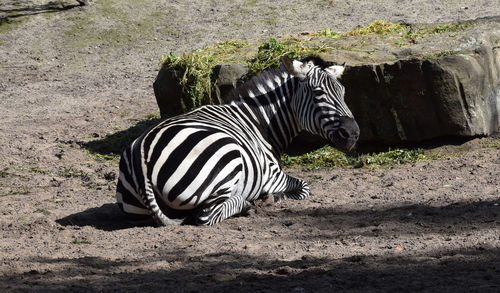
x: 195, y: 69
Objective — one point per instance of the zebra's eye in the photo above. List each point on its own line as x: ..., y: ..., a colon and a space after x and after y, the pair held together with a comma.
x: 318, y: 92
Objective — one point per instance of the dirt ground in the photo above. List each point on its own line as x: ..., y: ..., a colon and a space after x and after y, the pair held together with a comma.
x: 73, y: 78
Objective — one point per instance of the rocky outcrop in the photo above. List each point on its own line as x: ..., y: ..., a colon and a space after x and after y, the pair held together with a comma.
x: 416, y: 99
x: 444, y: 85
x: 228, y: 77
x: 168, y: 93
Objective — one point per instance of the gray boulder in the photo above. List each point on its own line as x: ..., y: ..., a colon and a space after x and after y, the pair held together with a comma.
x: 416, y: 99
x: 169, y: 93
x: 446, y: 84
x: 227, y: 78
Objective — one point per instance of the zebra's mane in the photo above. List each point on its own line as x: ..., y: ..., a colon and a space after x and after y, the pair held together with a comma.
x: 259, y: 79
x: 262, y: 78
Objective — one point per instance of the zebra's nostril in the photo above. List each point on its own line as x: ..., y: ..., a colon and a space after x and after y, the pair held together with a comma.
x: 343, y: 133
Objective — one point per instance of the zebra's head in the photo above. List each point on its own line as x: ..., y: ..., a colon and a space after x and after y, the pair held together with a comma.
x: 319, y: 102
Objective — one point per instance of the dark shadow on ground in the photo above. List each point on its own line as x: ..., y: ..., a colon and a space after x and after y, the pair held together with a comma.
x: 15, y: 9
x: 331, y: 223
x: 107, y: 217
x: 114, y: 144
x: 465, y: 270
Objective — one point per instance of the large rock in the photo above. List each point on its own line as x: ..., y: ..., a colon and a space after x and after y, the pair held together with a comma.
x: 446, y: 84
x: 417, y: 99
x: 168, y: 93
x: 227, y: 78
x: 443, y: 85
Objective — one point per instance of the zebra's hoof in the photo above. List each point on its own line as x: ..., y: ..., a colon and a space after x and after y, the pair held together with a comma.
x: 248, y: 210
x: 279, y: 197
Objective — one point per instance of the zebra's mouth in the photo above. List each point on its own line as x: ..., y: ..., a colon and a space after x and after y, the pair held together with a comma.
x: 344, y: 145
x: 346, y: 136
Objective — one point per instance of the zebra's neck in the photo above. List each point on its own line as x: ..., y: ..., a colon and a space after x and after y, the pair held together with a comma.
x: 267, y: 99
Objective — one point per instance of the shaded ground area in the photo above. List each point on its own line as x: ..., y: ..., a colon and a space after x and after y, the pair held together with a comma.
x: 76, y: 85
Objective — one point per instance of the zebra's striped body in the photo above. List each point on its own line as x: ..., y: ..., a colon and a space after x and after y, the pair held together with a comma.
x: 213, y: 162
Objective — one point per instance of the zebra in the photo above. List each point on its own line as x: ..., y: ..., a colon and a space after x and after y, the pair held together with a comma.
x: 210, y: 164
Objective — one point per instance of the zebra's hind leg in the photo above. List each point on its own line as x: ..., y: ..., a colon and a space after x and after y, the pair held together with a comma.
x: 293, y: 188
x: 223, y: 208
x: 130, y: 204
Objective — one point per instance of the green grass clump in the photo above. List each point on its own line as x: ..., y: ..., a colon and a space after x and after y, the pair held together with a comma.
x: 325, y: 157
x: 328, y: 157
x: 378, y: 27
x: 102, y: 157
x: 196, y: 68
x: 269, y: 53
x: 406, y: 32
x: 4, y: 173
x: 391, y: 158
x: 73, y: 173
x: 443, y: 28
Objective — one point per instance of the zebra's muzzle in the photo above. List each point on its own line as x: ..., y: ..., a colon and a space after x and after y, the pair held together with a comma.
x: 346, y: 136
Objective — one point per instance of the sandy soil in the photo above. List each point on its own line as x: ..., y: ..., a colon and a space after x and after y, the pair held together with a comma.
x: 71, y: 76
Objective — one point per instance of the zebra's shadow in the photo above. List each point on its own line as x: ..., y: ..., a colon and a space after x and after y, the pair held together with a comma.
x: 107, y: 217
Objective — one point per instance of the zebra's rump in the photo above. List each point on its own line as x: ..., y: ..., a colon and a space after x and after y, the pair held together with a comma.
x: 196, y: 164
x: 127, y: 189
x: 187, y: 163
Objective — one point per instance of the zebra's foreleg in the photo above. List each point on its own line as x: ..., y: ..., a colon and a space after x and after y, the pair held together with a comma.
x: 291, y: 188
x: 223, y: 208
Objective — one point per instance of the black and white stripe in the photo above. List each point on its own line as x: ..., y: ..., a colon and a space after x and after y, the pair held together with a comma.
x: 213, y: 162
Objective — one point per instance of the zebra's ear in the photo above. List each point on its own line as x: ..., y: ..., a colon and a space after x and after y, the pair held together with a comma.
x: 335, y: 70
x: 295, y: 67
